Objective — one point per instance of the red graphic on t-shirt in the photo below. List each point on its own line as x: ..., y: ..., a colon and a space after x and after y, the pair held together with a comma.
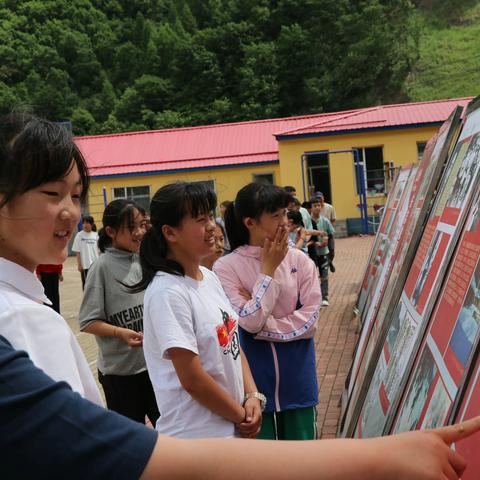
x: 226, y: 330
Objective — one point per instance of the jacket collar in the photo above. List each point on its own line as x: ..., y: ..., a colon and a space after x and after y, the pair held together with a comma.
x: 22, y: 280
x: 249, y: 251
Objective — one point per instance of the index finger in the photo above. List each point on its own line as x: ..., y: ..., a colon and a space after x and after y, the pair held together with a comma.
x: 453, y: 433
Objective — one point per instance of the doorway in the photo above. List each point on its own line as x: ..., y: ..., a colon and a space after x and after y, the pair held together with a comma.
x: 319, y: 175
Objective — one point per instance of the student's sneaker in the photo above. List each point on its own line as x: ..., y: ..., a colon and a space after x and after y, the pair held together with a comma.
x: 325, y: 303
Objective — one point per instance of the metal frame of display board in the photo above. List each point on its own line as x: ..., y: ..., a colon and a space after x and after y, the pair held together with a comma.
x: 397, y: 288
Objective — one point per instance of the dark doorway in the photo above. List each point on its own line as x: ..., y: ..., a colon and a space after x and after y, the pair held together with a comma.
x: 319, y: 175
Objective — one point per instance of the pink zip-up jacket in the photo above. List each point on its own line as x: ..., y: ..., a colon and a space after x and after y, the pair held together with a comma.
x: 282, y: 308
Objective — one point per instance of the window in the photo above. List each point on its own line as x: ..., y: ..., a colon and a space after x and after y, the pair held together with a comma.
x: 141, y: 195
x: 420, y: 149
x: 210, y: 184
x: 371, y: 158
x: 263, y: 178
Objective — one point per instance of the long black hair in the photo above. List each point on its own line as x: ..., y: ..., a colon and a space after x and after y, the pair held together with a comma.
x: 251, y: 201
x: 118, y: 214
x: 34, y: 151
x: 169, y: 206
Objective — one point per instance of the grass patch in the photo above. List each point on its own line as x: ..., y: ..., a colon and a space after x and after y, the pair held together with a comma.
x: 449, y: 63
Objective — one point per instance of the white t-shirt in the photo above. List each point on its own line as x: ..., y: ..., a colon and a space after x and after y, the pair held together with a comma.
x: 195, y: 315
x: 328, y: 212
x: 86, y: 244
x: 40, y: 331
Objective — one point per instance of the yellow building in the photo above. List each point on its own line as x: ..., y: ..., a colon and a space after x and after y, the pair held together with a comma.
x: 298, y: 151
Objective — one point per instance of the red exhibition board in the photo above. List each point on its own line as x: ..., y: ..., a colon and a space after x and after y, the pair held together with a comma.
x: 444, y: 355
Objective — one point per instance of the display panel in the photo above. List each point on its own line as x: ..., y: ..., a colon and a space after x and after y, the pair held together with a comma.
x: 424, y: 185
x: 423, y: 281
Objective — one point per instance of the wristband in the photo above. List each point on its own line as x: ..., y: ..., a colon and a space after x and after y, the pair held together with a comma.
x: 259, y: 396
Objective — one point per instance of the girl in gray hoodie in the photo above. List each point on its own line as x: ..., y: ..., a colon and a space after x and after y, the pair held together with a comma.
x: 115, y: 316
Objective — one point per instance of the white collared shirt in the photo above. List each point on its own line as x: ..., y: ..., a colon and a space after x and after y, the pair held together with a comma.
x: 31, y: 326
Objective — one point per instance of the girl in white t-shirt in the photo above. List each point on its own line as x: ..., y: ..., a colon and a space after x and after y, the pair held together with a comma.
x: 43, y: 179
x: 85, y: 246
x: 202, y: 382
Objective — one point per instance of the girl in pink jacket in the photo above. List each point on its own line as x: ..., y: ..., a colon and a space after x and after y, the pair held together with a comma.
x: 276, y: 293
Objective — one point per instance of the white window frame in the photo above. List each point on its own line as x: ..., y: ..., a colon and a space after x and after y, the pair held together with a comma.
x: 136, y: 198
x: 361, y: 151
x: 256, y: 176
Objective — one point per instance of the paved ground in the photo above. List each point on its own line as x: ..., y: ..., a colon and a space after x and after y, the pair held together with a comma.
x: 335, y: 338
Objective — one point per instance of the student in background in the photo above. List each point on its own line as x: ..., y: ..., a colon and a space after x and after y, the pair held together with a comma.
x: 319, y: 247
x: 50, y: 276
x: 307, y: 221
x: 218, y: 249
x: 85, y: 246
x: 327, y: 211
x: 115, y: 316
x: 43, y: 180
x: 297, y: 236
x: 221, y: 220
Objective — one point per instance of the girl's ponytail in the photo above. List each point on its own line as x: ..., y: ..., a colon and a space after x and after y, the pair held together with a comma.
x: 104, y: 241
x: 237, y: 232
x: 153, y: 258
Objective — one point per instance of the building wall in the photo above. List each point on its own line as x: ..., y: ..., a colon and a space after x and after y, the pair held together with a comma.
x: 227, y: 183
x: 399, y: 147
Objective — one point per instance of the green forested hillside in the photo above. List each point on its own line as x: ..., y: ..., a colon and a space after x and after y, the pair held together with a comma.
x: 119, y: 65
x: 112, y: 65
x: 449, y: 57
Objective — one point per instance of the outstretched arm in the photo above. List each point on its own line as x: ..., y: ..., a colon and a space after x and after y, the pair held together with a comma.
x: 419, y: 455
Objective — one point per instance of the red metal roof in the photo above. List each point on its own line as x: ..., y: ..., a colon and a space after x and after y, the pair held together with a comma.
x: 383, y: 116
x: 239, y: 143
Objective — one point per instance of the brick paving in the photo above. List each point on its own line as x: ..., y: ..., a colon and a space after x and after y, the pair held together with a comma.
x: 335, y: 338
x: 336, y: 335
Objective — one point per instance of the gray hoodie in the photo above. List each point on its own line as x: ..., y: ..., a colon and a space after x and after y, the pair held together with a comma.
x: 106, y: 299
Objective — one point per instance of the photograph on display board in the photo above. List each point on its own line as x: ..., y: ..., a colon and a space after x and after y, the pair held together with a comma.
x: 420, y: 387
x: 452, y: 334
x: 469, y: 448
x: 425, y: 183
x: 433, y: 256
x: 376, y: 406
x: 435, y: 413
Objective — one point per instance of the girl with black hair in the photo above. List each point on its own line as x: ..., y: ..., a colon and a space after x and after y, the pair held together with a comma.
x: 115, y: 317
x: 275, y: 292
x: 297, y: 235
x: 218, y: 249
x: 43, y: 180
x: 202, y: 382
x: 85, y: 246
